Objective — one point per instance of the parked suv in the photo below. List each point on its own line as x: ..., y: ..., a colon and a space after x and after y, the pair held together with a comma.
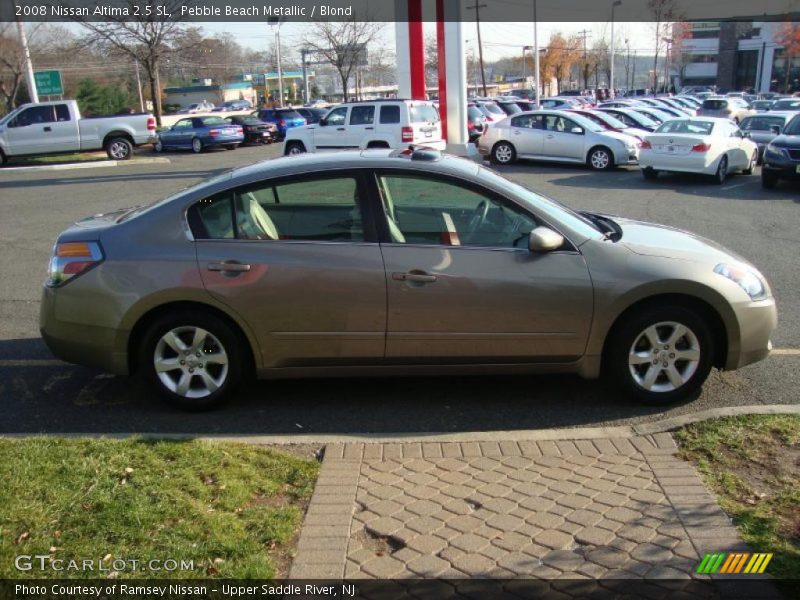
x: 782, y: 156
x: 735, y: 109
x: 370, y: 124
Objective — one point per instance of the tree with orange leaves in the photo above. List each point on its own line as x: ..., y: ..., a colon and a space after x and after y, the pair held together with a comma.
x: 788, y: 36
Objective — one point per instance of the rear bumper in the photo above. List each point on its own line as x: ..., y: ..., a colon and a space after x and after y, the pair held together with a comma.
x: 435, y: 144
x: 687, y: 163
x: 223, y: 140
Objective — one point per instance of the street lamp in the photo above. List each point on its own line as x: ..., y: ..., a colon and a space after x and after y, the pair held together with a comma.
x: 611, y: 71
x: 524, y: 66
x: 275, y: 24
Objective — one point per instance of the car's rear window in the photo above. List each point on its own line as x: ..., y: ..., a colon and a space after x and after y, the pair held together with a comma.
x: 423, y: 113
x: 760, y: 123
x: 288, y: 114
x: 715, y: 104
x: 786, y: 105
x: 473, y: 113
x: 690, y: 127
x: 214, y: 121
x: 493, y: 108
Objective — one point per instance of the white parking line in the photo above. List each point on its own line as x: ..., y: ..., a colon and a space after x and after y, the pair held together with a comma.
x: 733, y: 187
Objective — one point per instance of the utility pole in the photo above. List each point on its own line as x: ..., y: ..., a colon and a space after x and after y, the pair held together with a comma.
x: 633, y: 71
x: 31, y: 81
x: 275, y: 23
x: 477, y: 8
x: 585, y: 34
x: 666, y: 67
x: 139, y: 86
x: 303, y: 54
x: 611, y: 92
x: 536, y: 82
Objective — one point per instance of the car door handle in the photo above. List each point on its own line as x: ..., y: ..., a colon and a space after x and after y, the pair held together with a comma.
x: 370, y: 128
x: 48, y: 129
x: 416, y: 277
x: 550, y: 136
x: 516, y: 132
x: 230, y: 266
x: 340, y: 129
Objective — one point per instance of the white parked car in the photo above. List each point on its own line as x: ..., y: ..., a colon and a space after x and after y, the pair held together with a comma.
x: 706, y: 145
x: 559, y: 136
x: 370, y: 124
x: 197, y: 107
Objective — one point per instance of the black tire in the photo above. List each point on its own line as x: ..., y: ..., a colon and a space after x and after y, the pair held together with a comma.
x: 504, y: 153
x: 768, y: 180
x: 197, y: 145
x: 722, y: 171
x: 158, y: 146
x: 3, y: 159
x: 293, y: 148
x: 600, y: 158
x: 616, y: 360
x: 220, y: 330
x: 231, y: 146
x: 119, y: 148
x: 649, y: 173
x: 753, y: 163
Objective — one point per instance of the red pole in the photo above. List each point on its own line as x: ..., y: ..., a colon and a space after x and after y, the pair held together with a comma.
x: 416, y: 46
x: 442, y: 65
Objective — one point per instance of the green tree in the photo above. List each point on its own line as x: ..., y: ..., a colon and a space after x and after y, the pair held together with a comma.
x: 96, y: 99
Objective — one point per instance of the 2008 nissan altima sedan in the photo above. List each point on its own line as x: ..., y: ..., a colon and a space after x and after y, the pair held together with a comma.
x: 392, y: 263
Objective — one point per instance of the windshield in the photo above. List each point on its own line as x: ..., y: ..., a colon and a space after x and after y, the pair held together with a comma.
x: 786, y: 105
x: 423, y: 113
x: 587, y: 123
x: 793, y: 128
x: 760, y: 123
x: 493, y: 108
x: 715, y: 104
x: 512, y: 108
x: 641, y: 119
x: 558, y: 211
x: 609, y: 120
x: 288, y: 114
x: 686, y: 126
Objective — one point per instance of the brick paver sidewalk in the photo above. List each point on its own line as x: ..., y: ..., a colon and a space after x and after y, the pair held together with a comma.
x: 594, y: 508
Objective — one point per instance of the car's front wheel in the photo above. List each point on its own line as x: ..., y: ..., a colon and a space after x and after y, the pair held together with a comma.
x: 193, y: 359
x: 504, y: 153
x: 119, y: 149
x: 660, y: 355
x: 601, y: 159
x: 158, y: 146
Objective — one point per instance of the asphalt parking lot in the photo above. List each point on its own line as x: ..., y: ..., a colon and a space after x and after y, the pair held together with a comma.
x: 39, y: 394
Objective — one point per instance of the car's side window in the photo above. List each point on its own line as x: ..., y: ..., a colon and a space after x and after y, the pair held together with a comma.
x: 35, y: 115
x: 184, y: 124
x: 526, y: 121
x: 62, y: 112
x: 444, y: 212
x: 320, y: 209
x: 337, y: 116
x: 212, y: 218
x: 362, y: 115
x: 390, y: 114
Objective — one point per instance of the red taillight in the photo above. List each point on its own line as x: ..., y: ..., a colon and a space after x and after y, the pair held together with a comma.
x: 470, y: 126
x: 281, y: 122
x: 213, y: 133
x: 239, y: 130
x: 645, y: 145
x: 151, y: 124
x: 407, y: 134
x: 70, y: 259
x: 701, y: 147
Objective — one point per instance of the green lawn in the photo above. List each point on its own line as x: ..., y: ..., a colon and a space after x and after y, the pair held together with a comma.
x: 233, y: 509
x: 753, y: 465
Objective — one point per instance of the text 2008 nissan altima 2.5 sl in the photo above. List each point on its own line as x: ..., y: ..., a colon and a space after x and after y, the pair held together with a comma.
x: 392, y: 263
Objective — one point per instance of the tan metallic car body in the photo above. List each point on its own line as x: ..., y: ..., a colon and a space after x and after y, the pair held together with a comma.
x: 298, y: 308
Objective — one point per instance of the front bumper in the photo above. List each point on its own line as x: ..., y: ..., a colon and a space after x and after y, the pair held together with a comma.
x: 783, y: 168
x: 757, y: 322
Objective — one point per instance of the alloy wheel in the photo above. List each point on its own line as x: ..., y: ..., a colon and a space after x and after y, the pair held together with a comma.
x: 197, y: 145
x: 664, y: 357
x: 190, y: 362
x: 118, y: 150
x: 503, y: 153
x: 600, y: 160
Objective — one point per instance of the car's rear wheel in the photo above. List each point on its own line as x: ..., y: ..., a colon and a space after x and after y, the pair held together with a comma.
x: 660, y: 355
x: 504, y: 153
x: 197, y: 145
x: 119, y: 148
x: 649, y: 173
x: 768, y: 180
x: 752, y: 165
x: 600, y: 159
x: 722, y: 171
x: 193, y: 359
x: 294, y: 148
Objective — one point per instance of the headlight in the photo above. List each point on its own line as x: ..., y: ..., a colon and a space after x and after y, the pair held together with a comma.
x: 776, y: 151
x: 750, y: 280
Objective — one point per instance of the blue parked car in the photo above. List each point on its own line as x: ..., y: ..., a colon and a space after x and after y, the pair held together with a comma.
x: 312, y: 115
x: 283, y: 118
x: 199, y: 133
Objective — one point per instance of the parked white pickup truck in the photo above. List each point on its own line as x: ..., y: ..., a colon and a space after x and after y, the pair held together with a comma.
x: 57, y: 127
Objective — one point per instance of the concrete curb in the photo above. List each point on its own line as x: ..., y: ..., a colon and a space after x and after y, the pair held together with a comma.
x: 578, y: 433
x: 87, y: 165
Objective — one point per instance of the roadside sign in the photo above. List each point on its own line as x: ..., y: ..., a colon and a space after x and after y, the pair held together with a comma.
x: 48, y: 83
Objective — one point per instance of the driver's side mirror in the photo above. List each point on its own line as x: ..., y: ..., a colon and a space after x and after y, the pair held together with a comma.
x: 776, y: 129
x: 543, y: 239
x: 323, y: 122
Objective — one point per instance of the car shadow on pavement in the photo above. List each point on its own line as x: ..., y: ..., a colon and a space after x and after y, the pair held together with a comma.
x: 45, y: 396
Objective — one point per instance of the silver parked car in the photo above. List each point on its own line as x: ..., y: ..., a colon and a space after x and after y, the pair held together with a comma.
x: 557, y: 136
x: 762, y: 128
x: 390, y: 263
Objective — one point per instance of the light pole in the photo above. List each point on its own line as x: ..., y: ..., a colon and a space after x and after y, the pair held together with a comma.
x: 275, y: 23
x: 611, y: 70
x: 524, y: 66
x: 536, y: 82
x: 628, y: 64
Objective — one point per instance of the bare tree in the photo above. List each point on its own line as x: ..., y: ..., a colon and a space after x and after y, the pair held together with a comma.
x: 342, y: 45
x: 788, y: 36
x: 12, y: 65
x: 147, y: 39
x: 664, y: 12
